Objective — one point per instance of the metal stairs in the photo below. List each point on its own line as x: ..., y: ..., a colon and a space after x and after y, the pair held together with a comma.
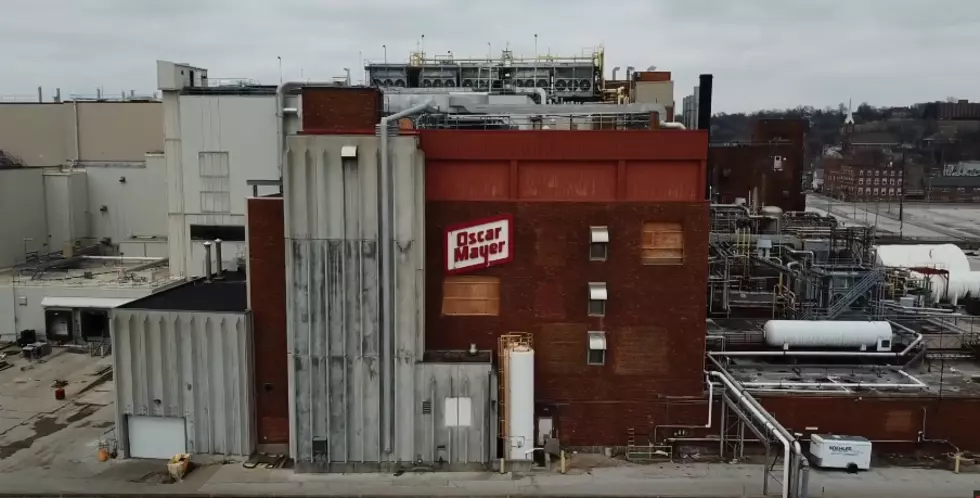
x: 860, y: 288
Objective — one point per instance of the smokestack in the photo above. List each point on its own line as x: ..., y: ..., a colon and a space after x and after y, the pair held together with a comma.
x: 704, y: 103
x: 57, y: 95
x: 704, y: 123
x: 207, y: 261
x: 40, y: 95
x: 217, y: 259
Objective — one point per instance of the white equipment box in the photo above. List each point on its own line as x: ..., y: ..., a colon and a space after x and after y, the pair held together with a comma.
x: 831, y: 451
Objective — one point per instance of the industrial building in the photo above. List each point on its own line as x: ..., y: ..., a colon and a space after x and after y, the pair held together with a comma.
x: 765, y: 171
x: 382, y: 278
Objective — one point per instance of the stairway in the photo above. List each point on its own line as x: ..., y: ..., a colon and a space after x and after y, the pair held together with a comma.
x: 860, y: 288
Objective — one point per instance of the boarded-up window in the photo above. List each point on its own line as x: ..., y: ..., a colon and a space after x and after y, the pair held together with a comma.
x: 471, y: 296
x: 663, y: 244
x: 898, y: 421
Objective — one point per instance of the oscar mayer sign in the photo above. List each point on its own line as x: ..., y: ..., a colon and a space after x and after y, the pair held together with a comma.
x: 479, y: 243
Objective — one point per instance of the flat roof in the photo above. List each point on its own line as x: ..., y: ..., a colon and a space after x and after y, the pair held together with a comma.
x: 946, y: 377
x: 227, y: 295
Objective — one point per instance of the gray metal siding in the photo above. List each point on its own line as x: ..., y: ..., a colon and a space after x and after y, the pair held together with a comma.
x: 459, y: 447
x: 193, y: 365
x: 337, y: 379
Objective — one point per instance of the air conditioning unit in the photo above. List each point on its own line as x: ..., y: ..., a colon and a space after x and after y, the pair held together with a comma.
x: 469, y: 83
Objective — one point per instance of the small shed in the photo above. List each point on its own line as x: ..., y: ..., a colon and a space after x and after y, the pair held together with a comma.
x: 183, y: 369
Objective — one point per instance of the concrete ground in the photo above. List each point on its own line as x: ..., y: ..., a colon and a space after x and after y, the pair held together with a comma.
x: 50, y: 448
x: 919, y: 220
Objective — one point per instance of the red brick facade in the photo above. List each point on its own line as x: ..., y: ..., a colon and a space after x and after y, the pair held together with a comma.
x: 556, y: 185
x: 341, y: 109
x: 267, y: 299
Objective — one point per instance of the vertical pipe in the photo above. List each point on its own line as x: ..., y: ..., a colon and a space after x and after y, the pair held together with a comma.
x: 207, y: 261
x: 217, y: 259
x: 386, y: 240
x: 40, y: 95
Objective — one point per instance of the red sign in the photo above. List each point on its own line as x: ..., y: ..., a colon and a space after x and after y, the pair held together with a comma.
x: 479, y: 244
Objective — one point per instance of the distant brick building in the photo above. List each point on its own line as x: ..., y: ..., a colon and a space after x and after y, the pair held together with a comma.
x: 868, y: 176
x: 953, y: 189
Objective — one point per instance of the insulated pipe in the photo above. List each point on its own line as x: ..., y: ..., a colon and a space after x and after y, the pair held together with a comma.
x: 387, y: 241
x: 730, y: 381
x: 615, y: 70
x: 673, y: 125
x: 711, y: 403
x: 281, y: 112
x: 123, y: 258
x: 823, y: 385
x: 767, y: 421
x: 542, y: 93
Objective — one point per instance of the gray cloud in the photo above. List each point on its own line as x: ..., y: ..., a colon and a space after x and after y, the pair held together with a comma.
x: 764, y: 53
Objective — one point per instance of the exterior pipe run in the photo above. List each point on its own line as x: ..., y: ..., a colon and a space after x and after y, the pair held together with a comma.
x: 387, y: 241
x: 766, y: 421
x: 763, y: 415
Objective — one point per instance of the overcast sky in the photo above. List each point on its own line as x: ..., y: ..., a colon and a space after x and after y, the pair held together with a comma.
x: 763, y: 53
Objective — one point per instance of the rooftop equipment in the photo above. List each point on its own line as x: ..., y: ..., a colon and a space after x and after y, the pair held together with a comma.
x: 788, y: 334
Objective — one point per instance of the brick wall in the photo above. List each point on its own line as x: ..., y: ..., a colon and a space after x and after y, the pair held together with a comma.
x: 341, y: 110
x: 882, y: 418
x: 654, y: 320
x: 267, y: 299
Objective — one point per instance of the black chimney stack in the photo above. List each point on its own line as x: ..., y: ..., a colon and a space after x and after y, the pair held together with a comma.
x: 704, y: 103
x: 704, y: 123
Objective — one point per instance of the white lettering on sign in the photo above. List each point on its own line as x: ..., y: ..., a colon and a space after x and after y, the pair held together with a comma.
x: 479, y: 244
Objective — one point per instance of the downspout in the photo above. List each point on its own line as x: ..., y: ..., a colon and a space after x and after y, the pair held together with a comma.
x: 386, y: 200
x: 78, y: 144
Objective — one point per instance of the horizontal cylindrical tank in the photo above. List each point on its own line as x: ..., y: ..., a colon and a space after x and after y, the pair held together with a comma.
x: 807, y: 333
x: 939, y: 256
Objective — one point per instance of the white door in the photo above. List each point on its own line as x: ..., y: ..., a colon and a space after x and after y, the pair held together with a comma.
x: 156, y: 437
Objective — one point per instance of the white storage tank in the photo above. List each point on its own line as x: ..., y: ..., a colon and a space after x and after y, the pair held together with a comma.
x: 832, y: 451
x: 520, y: 403
x: 941, y: 256
x: 800, y: 334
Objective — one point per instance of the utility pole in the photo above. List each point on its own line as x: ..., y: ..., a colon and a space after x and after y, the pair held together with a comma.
x: 901, y: 198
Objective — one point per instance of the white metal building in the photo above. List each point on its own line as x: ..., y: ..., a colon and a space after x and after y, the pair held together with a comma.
x: 183, y: 370
x: 219, y: 134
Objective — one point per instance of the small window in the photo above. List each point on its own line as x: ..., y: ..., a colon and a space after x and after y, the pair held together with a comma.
x: 597, y: 348
x: 459, y: 412
x: 662, y: 244
x: 597, y: 298
x: 471, y: 296
x: 861, y: 181
x: 598, y: 243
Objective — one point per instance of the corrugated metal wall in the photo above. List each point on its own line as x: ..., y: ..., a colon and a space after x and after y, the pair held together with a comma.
x: 192, y: 365
x: 462, y: 446
x: 342, y: 375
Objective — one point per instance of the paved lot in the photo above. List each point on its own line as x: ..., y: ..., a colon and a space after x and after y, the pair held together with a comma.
x: 50, y: 448
x: 921, y: 220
